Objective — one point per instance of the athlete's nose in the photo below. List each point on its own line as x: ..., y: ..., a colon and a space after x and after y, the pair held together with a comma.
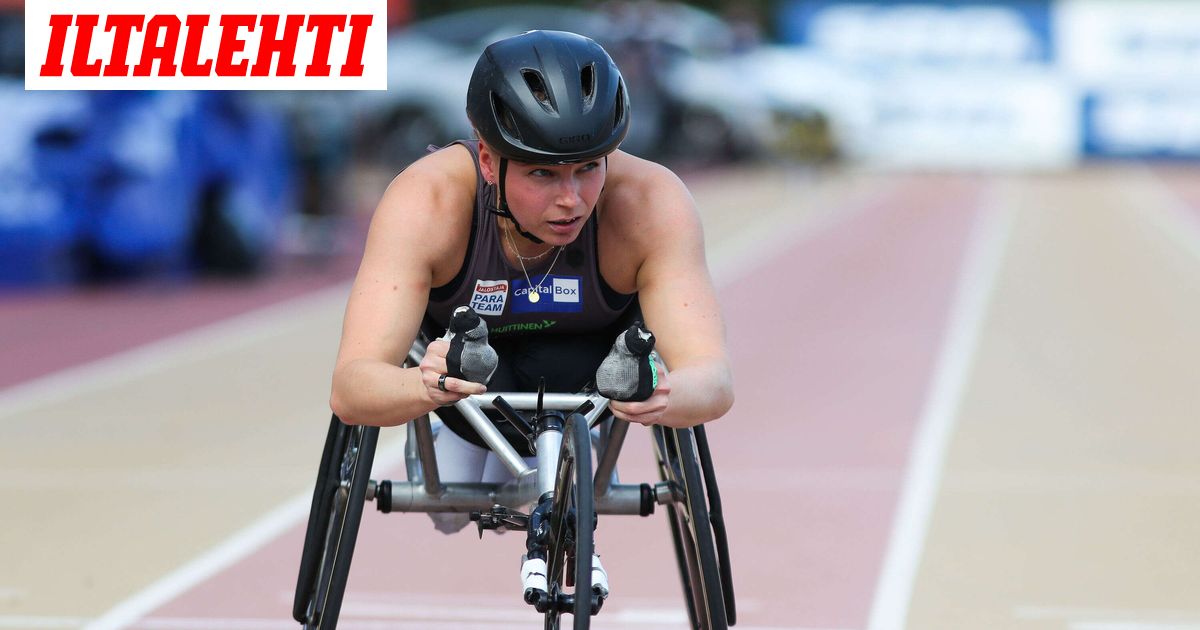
x: 568, y: 192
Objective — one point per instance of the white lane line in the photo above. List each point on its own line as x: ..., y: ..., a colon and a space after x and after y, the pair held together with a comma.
x: 507, y: 610
x: 233, y: 549
x: 631, y: 618
x: 893, y: 591
x: 186, y: 347
x: 1158, y: 204
x: 1142, y: 617
x: 1131, y: 625
x: 201, y: 568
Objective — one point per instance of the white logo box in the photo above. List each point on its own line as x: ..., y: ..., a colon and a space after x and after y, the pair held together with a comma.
x: 364, y: 35
x: 566, y: 290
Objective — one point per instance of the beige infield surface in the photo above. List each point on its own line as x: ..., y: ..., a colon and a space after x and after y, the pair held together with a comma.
x: 1070, y: 496
x: 1063, y: 486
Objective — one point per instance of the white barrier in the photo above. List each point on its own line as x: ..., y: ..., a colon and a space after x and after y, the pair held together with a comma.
x: 1021, y: 84
x: 1015, y: 119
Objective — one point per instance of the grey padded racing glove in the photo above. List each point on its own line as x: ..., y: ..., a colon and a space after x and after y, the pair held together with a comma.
x: 628, y: 373
x: 470, y: 357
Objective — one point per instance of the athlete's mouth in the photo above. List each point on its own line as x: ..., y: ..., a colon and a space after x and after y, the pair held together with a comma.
x: 565, y: 221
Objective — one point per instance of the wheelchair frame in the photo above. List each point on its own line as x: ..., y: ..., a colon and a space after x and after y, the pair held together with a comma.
x: 687, y: 488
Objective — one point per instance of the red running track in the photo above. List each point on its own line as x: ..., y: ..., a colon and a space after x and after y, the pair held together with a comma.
x: 51, y: 331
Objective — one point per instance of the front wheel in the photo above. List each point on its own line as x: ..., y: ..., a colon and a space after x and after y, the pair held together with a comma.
x: 572, y: 519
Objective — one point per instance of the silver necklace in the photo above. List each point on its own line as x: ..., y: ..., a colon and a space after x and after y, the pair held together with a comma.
x: 513, y: 246
x: 533, y: 290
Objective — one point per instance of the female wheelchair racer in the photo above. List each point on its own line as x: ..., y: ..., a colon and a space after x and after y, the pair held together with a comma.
x: 555, y: 237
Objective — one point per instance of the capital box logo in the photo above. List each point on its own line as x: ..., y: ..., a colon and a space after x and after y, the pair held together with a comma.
x: 206, y: 45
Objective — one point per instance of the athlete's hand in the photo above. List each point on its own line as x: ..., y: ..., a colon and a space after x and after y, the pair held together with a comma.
x: 651, y: 410
x: 433, y: 368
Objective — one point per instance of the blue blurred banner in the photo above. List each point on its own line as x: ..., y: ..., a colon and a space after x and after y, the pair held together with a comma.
x: 113, y: 185
x: 1142, y: 124
x: 946, y: 32
x: 1137, y: 65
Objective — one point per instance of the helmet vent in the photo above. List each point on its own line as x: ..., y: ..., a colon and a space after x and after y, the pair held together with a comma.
x: 587, y: 82
x: 619, y: 107
x: 504, y: 117
x: 537, y: 87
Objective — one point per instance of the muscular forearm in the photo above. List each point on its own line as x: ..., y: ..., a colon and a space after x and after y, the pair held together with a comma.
x: 377, y: 393
x: 699, y: 393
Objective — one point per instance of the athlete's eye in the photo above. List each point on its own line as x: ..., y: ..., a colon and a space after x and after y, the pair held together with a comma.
x: 540, y: 172
x: 590, y: 166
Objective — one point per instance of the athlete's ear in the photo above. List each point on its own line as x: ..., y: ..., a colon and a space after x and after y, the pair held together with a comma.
x: 489, y: 163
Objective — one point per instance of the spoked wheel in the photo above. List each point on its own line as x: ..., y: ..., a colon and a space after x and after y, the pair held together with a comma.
x: 333, y: 522
x: 571, y: 521
x: 698, y: 534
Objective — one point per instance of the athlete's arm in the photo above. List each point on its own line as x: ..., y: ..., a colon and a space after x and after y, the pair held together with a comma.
x: 679, y: 304
x: 414, y: 227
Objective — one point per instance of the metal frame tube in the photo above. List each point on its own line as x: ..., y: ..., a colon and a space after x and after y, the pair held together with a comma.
x: 593, y: 416
x: 412, y: 463
x: 467, y: 497
x: 492, y: 436
x: 526, y: 401
x: 429, y: 468
x: 549, y: 443
x: 608, y: 459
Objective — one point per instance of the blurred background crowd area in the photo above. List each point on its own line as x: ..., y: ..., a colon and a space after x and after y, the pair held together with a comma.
x: 99, y: 187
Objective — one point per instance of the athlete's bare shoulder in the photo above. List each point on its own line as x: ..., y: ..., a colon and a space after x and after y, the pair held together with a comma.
x: 427, y: 207
x: 644, y: 196
x: 443, y: 172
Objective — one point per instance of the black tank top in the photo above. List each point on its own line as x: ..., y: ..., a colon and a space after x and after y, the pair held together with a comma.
x: 572, y: 296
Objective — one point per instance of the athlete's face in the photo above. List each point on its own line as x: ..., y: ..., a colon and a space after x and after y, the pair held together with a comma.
x: 552, y: 202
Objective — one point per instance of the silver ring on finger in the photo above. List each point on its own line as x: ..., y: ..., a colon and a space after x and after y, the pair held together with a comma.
x: 442, y: 382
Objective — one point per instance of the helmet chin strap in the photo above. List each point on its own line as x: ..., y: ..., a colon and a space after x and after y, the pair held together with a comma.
x: 503, y: 209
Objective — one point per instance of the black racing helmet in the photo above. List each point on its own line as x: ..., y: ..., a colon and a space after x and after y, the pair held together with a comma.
x: 548, y: 97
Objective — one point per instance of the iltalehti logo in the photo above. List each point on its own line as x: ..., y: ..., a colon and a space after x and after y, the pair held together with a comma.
x: 215, y: 45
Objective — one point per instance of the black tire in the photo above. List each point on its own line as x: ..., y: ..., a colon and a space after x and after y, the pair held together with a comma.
x: 700, y: 568
x: 318, y: 518
x: 717, y: 517
x: 333, y: 522
x: 572, y: 519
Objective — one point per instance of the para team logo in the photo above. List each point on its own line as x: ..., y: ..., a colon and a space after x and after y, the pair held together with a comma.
x: 219, y: 45
x: 489, y: 297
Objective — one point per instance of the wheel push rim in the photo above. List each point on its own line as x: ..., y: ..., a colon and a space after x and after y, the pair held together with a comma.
x: 691, y: 530
x: 342, y: 501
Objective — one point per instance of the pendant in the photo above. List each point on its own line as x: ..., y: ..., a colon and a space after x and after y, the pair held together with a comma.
x: 533, y: 296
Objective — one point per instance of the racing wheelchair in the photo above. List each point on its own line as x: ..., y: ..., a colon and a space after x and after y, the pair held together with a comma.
x: 565, y: 493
